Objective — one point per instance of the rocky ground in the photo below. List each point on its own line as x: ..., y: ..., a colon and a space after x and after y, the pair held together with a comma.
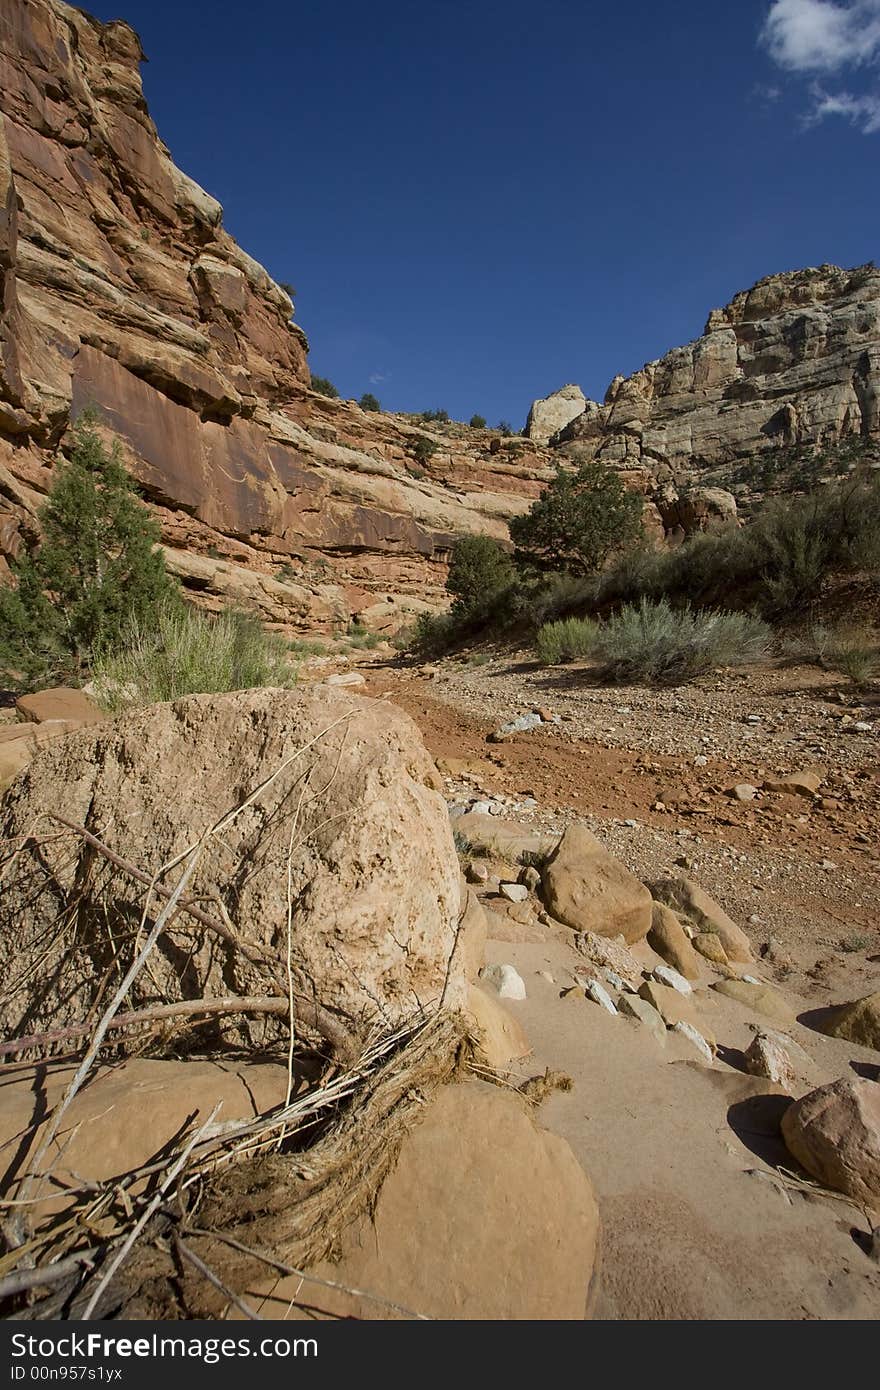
x: 651, y: 773
x: 705, y: 1214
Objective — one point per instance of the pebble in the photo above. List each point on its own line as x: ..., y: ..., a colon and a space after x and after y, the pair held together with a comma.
x: 599, y: 995
x: 514, y: 892
x: 507, y: 982
x: 667, y: 976
x: 687, y: 1030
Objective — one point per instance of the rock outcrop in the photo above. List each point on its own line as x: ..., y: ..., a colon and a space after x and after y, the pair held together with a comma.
x: 793, y: 361
x: 552, y: 413
x: 339, y: 859
x: 120, y: 289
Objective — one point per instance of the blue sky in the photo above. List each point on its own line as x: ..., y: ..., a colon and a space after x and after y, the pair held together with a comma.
x: 478, y: 202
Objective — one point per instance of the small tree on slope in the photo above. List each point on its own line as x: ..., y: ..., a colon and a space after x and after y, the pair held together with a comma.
x: 579, y: 520
x: 96, y: 571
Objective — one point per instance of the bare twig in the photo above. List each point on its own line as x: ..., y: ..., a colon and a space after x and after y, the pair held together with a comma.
x: 100, y: 1032
x: 23, y: 1279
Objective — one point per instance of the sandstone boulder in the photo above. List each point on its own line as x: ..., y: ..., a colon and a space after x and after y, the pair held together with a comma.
x: 590, y: 891
x: 858, y: 1021
x: 691, y: 901
x: 104, y: 1134
x: 552, y: 413
x: 767, y: 1056
x: 485, y: 1216
x: 345, y: 830
x: 502, y: 1039
x: 674, y: 1007
x: 708, y: 945
x: 504, y: 838
x: 834, y: 1132
x: 668, y: 938
x: 761, y: 999
x: 63, y: 702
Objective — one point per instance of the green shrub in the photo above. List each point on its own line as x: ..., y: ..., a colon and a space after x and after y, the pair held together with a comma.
x: 182, y: 651
x: 658, y: 644
x: 578, y: 521
x: 477, y: 422
x: 480, y: 571
x: 505, y: 428
x: 369, y: 402
x: 306, y: 646
x: 432, y: 635
x: 440, y: 417
x: 359, y: 638
x: 423, y: 449
x: 96, y: 571
x: 325, y: 387
x: 565, y: 640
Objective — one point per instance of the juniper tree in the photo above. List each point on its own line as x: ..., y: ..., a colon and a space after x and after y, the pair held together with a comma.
x: 579, y: 520
x: 96, y: 571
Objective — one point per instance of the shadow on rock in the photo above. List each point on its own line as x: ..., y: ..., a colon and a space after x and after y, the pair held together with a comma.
x: 756, y: 1121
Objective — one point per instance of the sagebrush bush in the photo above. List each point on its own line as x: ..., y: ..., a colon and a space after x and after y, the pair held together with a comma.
x: 781, y: 559
x: 183, y: 651
x: 565, y: 640
x: 653, y: 642
x: 851, y: 649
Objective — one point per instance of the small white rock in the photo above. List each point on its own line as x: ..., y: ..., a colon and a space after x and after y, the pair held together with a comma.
x: 545, y: 975
x: 506, y: 981
x: 599, y: 995
x: 614, y: 979
x: 687, y: 1030
x: 514, y: 892
x: 667, y: 976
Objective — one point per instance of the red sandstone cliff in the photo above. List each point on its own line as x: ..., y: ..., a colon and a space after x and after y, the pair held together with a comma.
x: 119, y: 288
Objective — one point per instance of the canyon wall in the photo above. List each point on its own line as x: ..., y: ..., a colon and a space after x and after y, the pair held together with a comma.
x: 120, y: 289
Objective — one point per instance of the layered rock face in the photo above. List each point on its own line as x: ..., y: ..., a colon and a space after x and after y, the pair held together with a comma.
x: 120, y: 289
x: 552, y: 413
x: 793, y: 361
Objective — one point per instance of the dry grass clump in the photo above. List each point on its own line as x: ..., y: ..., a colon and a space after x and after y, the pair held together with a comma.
x: 183, y: 651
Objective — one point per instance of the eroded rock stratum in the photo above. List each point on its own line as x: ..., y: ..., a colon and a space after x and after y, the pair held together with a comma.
x: 120, y: 289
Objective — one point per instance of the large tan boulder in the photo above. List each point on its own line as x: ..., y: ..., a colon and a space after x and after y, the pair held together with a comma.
x: 470, y: 945
x: 760, y: 999
x: 689, y: 900
x: 834, y: 1132
x: 503, y: 838
x: 587, y: 889
x: 345, y: 832
x: 502, y: 1038
x: 668, y: 938
x: 485, y: 1216
x: 858, y: 1021
x: 127, y: 1115
x: 62, y: 702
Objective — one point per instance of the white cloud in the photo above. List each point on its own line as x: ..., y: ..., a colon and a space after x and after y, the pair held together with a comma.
x: 863, y: 111
x: 823, y: 36
x: 376, y: 377
x: 819, y: 36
